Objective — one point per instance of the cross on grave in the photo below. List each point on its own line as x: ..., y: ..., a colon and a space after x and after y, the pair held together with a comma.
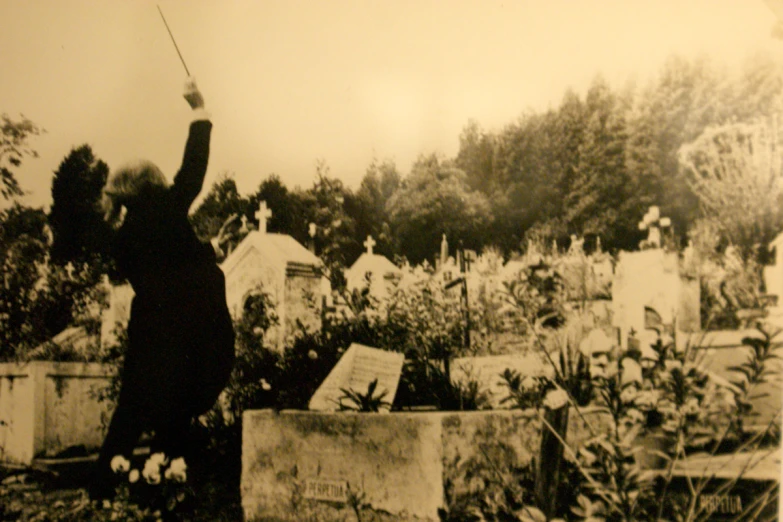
x: 262, y: 215
x: 369, y: 244
x: 243, y: 228
x: 653, y: 223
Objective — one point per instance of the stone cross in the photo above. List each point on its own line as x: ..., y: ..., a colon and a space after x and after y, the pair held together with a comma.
x: 243, y: 228
x: 262, y: 215
x: 653, y: 223
x: 577, y: 246
x: 369, y: 244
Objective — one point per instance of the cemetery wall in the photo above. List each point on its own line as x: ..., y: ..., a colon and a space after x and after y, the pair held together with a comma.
x: 47, y: 407
x: 295, y: 463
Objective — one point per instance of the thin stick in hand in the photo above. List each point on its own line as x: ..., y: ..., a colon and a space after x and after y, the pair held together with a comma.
x: 173, y: 41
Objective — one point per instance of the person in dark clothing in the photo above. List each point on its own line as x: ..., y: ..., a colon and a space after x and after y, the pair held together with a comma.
x: 180, y: 334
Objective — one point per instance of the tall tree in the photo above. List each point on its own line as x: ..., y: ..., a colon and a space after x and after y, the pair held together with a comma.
x: 599, y: 201
x: 368, y: 206
x: 435, y: 199
x: 476, y: 157
x: 673, y: 110
x: 14, y: 136
x: 335, y: 237
x: 75, y: 218
x: 288, y: 213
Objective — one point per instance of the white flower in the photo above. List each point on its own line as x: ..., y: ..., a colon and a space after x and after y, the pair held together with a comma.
x: 151, y: 471
x: 133, y: 476
x: 312, y: 354
x: 158, y: 458
x: 119, y: 464
x: 177, y: 471
x: 151, y: 474
x: 556, y: 399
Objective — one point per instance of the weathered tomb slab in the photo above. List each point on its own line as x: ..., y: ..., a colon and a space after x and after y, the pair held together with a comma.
x: 736, y: 486
x: 297, y: 463
x: 48, y: 407
x: 357, y: 368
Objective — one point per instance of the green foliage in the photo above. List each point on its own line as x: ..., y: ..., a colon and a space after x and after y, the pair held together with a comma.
x: 14, y: 136
x: 221, y: 202
x: 524, y: 392
x: 352, y: 400
x: 368, y: 206
x: 762, y: 365
x: 23, y: 249
x: 435, y: 200
x: 255, y: 380
x: 76, y: 220
x: 735, y: 171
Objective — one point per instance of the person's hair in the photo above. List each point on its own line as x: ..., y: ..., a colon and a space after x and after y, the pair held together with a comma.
x: 127, y: 184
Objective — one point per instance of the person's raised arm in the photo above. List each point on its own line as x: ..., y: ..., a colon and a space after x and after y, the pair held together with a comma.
x: 190, y: 177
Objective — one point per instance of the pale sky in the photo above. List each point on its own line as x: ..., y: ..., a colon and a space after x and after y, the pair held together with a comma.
x: 289, y: 82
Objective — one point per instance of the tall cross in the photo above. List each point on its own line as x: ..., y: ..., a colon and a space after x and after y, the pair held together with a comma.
x: 369, y: 244
x: 262, y: 215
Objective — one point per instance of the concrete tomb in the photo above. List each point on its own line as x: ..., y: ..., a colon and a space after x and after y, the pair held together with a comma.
x: 279, y: 266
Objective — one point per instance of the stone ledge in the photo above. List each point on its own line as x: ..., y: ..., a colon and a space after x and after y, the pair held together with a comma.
x: 298, y: 463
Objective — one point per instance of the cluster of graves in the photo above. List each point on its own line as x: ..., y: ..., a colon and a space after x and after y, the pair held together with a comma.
x: 634, y: 297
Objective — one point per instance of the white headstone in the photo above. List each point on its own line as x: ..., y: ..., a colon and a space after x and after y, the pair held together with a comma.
x: 355, y: 370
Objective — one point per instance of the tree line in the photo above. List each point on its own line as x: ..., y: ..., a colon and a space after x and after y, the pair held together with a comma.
x: 688, y: 141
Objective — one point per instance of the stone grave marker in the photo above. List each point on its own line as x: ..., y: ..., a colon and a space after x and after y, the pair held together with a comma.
x: 487, y: 371
x: 651, y: 279
x: 355, y: 370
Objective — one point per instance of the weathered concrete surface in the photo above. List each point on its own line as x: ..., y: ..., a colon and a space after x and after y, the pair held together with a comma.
x: 396, y: 463
x: 47, y: 407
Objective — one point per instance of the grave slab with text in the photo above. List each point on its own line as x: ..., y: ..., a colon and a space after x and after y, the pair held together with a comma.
x: 355, y: 370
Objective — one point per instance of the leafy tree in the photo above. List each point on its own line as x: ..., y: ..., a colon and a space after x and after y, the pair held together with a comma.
x: 335, y: 229
x: 434, y: 200
x: 368, y: 206
x: 735, y: 170
x: 288, y: 213
x: 673, y: 110
x: 476, y: 157
x: 75, y: 218
x: 13, y: 147
x: 222, y: 201
x: 23, y: 249
x: 598, y: 201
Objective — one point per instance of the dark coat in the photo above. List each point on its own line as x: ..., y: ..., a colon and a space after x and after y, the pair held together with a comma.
x: 181, y: 338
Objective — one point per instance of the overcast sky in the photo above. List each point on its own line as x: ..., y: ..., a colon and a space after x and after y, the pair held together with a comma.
x: 289, y: 82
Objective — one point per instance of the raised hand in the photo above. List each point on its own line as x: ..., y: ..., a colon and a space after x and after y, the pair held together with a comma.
x: 192, y: 94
